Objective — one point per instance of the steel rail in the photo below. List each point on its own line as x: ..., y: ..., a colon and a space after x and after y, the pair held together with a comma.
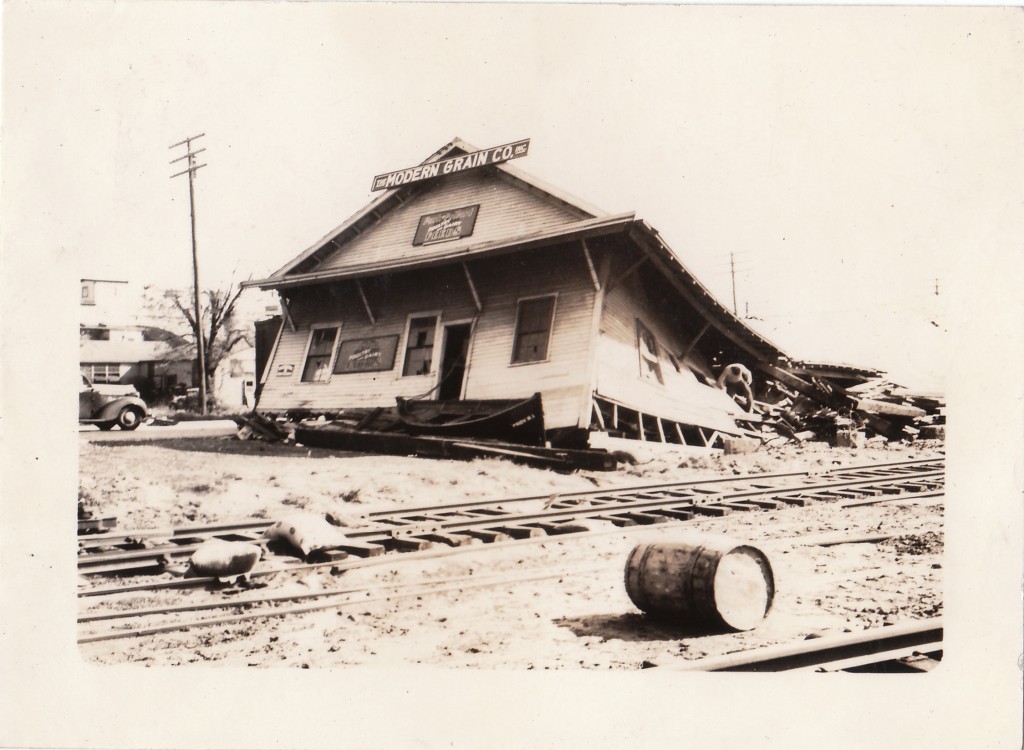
x: 683, y: 502
x: 432, y: 553
x: 173, y: 609
x: 633, y: 489
x: 623, y: 510
x: 820, y: 652
x: 414, y: 528
x: 232, y: 619
x: 248, y: 525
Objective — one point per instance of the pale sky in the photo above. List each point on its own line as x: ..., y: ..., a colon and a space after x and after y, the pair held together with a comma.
x: 853, y: 159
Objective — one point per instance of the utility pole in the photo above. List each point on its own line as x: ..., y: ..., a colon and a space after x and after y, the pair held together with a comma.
x: 732, y: 266
x: 192, y: 169
x: 936, y: 287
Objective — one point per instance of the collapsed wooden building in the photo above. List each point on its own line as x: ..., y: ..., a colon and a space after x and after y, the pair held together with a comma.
x: 469, y: 281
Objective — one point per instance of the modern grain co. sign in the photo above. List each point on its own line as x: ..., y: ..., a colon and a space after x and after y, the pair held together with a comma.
x: 495, y: 155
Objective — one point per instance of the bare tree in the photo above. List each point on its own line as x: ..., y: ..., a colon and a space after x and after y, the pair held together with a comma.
x: 218, y: 308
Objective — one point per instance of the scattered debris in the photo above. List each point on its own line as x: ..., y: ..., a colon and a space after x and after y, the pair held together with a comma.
x: 845, y: 406
x: 255, y: 426
x: 89, y: 524
x: 306, y: 533
x: 928, y: 543
x: 223, y: 559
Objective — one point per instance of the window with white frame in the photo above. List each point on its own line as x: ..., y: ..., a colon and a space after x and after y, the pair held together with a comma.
x: 650, y: 361
x: 319, y: 355
x: 533, y: 329
x: 419, y: 345
x: 106, y: 373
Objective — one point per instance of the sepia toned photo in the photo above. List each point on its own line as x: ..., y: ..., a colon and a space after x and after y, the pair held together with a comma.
x: 432, y: 353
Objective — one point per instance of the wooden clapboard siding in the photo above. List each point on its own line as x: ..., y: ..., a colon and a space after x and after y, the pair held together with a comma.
x: 506, y: 210
x: 500, y: 282
x: 562, y: 378
x: 441, y: 290
x: 684, y: 396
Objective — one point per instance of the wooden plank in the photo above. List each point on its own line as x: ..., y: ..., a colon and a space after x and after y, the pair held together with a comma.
x: 287, y: 313
x: 360, y: 549
x: 519, y: 532
x: 366, y: 303
x: 590, y: 265
x: 711, y: 510
x: 888, y: 409
x: 96, y: 525
x: 686, y: 352
x: 472, y: 288
x: 619, y: 278
x: 679, y: 514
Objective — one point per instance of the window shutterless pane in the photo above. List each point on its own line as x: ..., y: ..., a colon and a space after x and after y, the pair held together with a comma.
x: 533, y: 329
x: 318, y: 361
x: 419, y: 349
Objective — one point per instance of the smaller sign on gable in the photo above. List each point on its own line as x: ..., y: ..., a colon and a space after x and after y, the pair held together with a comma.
x: 448, y: 225
x: 367, y: 355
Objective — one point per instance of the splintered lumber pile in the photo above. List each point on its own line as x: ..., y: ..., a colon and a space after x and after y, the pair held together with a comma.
x: 255, y: 426
x: 844, y: 406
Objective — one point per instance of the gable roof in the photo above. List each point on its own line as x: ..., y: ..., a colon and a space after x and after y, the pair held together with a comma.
x: 592, y: 222
x: 395, y: 197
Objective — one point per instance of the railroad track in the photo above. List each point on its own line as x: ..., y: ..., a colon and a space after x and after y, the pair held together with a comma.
x: 429, y: 531
x: 456, y: 525
x: 908, y: 647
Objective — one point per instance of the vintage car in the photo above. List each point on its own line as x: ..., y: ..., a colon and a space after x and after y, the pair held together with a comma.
x: 106, y: 405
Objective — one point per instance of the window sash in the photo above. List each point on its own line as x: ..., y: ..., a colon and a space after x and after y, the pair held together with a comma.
x: 419, y: 346
x: 534, y: 318
x: 106, y: 373
x: 650, y: 360
x: 317, y: 368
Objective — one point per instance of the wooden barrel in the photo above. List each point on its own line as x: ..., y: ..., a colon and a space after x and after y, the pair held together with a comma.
x: 708, y: 581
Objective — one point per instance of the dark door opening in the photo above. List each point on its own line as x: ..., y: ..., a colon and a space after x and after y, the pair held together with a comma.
x: 453, y: 361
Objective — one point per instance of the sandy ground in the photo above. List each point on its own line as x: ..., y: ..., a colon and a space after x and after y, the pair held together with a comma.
x: 550, y: 603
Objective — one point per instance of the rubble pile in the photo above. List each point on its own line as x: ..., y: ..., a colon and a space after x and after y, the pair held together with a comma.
x: 844, y: 406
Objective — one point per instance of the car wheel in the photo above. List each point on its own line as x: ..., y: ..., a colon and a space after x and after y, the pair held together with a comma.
x: 106, y: 425
x: 129, y: 418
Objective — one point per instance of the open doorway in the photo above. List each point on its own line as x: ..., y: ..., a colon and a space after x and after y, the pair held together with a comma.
x: 454, y: 353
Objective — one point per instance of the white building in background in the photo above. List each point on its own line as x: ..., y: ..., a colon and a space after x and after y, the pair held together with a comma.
x: 106, y: 303
x: 234, y: 382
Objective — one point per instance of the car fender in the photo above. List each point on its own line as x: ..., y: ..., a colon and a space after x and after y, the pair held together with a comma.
x: 110, y: 410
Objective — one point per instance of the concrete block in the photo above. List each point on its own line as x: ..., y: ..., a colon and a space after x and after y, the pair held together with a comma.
x: 849, y: 439
x: 740, y: 445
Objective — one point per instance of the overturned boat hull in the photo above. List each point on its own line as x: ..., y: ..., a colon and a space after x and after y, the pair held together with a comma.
x: 520, y: 421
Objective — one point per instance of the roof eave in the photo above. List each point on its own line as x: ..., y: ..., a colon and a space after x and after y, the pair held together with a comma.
x: 577, y: 230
